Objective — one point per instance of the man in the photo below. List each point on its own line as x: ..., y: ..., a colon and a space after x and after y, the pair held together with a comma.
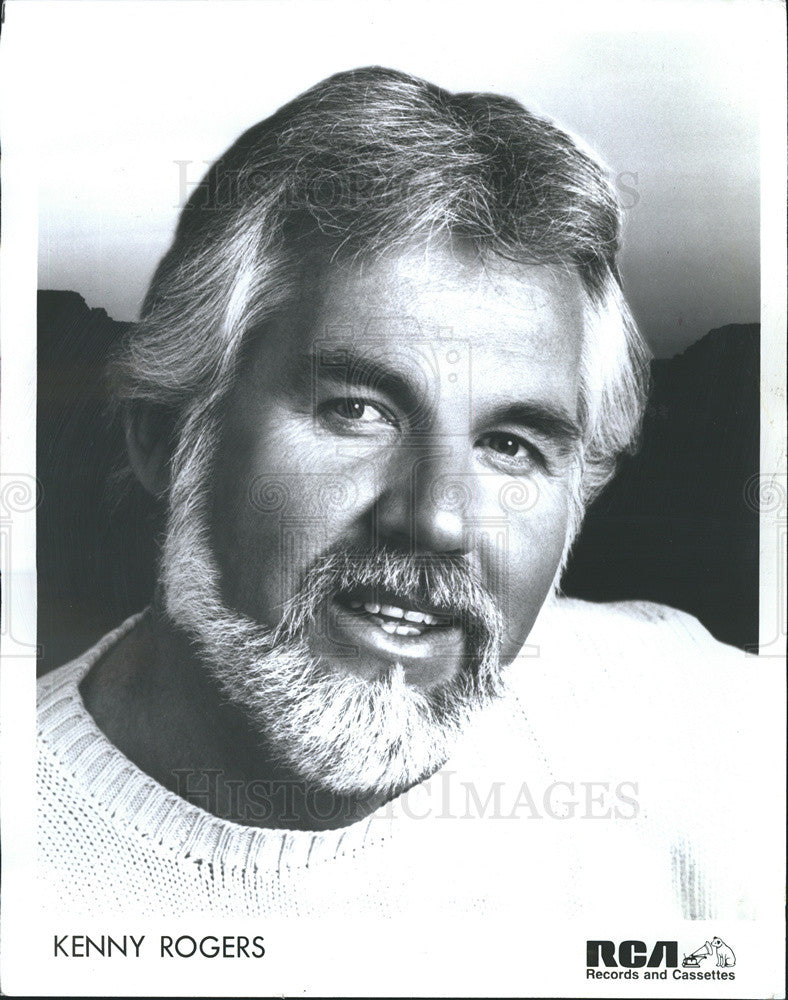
x: 377, y: 379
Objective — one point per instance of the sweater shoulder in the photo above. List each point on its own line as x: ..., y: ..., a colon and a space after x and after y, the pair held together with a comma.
x: 636, y: 635
x: 643, y: 618
x: 639, y: 674
x: 57, y: 696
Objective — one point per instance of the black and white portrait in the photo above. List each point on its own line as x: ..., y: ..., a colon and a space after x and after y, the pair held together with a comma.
x: 401, y: 510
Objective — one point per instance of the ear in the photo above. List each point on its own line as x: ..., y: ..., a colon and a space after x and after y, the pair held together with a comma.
x: 148, y: 431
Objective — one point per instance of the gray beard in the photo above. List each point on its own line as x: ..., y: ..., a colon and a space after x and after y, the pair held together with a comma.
x: 341, y: 732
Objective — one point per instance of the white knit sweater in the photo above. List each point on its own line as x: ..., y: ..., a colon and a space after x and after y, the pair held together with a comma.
x: 624, y: 695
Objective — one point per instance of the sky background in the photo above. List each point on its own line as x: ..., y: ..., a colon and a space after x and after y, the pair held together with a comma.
x: 667, y: 94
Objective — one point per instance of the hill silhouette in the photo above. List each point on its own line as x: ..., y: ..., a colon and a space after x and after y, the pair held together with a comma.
x: 676, y: 525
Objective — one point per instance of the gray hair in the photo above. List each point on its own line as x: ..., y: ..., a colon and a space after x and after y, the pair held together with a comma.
x: 362, y: 163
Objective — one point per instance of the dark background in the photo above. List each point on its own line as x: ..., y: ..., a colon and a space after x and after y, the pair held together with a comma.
x: 678, y: 525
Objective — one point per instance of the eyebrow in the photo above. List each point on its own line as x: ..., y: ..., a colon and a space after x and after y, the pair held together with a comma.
x: 344, y: 365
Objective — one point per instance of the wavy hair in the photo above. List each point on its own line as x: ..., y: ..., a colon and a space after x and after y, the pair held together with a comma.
x: 364, y: 163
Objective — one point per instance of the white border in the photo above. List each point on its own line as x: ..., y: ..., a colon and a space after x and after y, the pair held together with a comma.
x: 18, y: 270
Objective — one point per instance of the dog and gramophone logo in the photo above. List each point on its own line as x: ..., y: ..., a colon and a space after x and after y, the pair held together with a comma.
x: 632, y: 959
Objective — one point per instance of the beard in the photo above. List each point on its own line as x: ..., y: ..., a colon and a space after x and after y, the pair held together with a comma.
x: 341, y: 732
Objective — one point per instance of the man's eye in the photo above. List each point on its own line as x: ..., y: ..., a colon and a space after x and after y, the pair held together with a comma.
x: 356, y: 411
x: 511, y: 448
x: 505, y: 444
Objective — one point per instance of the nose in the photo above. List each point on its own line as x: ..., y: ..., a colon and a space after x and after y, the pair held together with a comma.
x: 428, y: 500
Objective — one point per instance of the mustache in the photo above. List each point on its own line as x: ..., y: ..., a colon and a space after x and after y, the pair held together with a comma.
x: 444, y: 583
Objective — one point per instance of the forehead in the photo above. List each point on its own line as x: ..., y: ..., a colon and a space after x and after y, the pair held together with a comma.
x: 451, y: 286
x: 521, y: 326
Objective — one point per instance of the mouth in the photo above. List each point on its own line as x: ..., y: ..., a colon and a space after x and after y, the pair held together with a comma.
x: 370, y: 631
x: 394, y: 613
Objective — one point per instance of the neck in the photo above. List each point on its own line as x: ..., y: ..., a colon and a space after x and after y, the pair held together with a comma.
x: 152, y: 698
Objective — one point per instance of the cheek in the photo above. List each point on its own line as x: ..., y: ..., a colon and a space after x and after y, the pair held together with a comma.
x: 257, y: 517
x: 529, y: 561
x: 282, y: 499
x: 245, y: 536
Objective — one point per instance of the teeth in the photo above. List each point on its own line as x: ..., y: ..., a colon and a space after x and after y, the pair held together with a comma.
x: 392, y: 611
x: 393, y: 629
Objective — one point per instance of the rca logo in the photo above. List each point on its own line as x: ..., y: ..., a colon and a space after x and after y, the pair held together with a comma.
x: 632, y: 954
x: 635, y: 960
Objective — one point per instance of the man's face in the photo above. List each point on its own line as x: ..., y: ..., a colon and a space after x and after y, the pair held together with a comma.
x: 424, y: 404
